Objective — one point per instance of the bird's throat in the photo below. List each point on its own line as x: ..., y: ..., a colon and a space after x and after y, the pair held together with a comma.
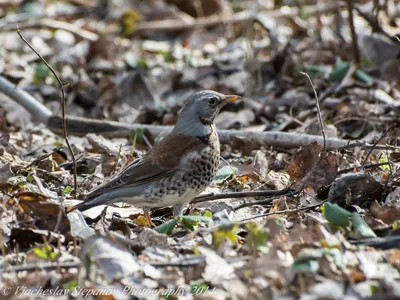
x: 206, y: 121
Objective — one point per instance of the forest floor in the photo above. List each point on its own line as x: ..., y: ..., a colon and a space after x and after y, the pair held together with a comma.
x: 306, y: 201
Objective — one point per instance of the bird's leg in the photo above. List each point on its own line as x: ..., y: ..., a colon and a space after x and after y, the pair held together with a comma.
x: 178, y: 209
x: 147, y: 215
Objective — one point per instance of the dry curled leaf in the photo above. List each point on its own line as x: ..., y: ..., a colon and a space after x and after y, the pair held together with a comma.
x: 310, y: 165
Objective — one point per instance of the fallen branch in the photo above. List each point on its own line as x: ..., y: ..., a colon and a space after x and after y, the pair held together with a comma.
x: 82, y: 126
x: 212, y: 196
x: 351, y: 169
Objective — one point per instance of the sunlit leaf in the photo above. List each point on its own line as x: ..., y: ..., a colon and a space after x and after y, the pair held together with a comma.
x: 335, y: 214
x: 18, y: 180
x: 45, y: 252
x: 257, y: 236
x: 142, y: 220
x: 190, y: 221
x: 167, y: 227
x: 67, y: 191
x: 361, y: 228
x: 224, y: 173
x: 208, y: 214
x: 128, y: 21
x: 225, y: 231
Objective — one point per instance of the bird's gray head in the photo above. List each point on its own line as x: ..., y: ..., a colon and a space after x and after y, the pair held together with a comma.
x: 199, y: 112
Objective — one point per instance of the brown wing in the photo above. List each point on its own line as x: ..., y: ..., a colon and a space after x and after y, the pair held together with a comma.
x: 163, y: 160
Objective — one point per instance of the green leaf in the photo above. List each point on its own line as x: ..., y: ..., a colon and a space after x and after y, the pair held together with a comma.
x: 396, y: 225
x: 167, y: 227
x: 67, y: 191
x: 208, y: 214
x: 257, y: 236
x: 70, y: 285
x: 58, y: 144
x: 128, y: 21
x: 335, y: 214
x: 246, y: 160
x: 189, y: 225
x: 361, y: 228
x: 225, y: 231
x: 364, y: 77
x: 305, y: 266
x: 46, y: 252
x: 18, y: 180
x: 224, y: 173
x: 339, y: 71
x: 29, y: 178
x: 384, y: 159
x: 137, y: 135
x: 190, y: 221
x: 315, y: 70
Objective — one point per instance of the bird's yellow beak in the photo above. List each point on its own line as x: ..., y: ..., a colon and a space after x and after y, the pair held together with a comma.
x: 231, y: 98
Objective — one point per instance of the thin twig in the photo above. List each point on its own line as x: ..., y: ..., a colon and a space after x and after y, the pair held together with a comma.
x: 365, y: 167
x: 376, y: 27
x: 286, y: 211
x: 212, y: 196
x: 390, y: 175
x: 264, y: 201
x: 364, y: 145
x: 62, y: 106
x: 318, y: 109
x: 61, y: 213
x: 40, y: 158
x: 356, y: 52
x: 376, y: 143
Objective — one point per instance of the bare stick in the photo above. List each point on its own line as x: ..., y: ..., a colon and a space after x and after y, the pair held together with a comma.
x: 286, y: 211
x: 365, y: 167
x: 356, y: 52
x: 62, y: 105
x: 212, y: 196
x: 61, y: 213
x: 318, y: 109
x: 376, y: 143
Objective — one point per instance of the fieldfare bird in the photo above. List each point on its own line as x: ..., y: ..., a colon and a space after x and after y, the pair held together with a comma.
x: 176, y: 169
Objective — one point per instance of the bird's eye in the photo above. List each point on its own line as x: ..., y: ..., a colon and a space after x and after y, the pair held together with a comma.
x: 212, y: 101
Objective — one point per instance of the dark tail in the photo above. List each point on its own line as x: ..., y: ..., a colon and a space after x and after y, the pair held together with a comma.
x: 84, y: 205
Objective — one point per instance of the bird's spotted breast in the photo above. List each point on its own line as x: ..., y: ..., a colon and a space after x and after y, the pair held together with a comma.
x: 197, y: 172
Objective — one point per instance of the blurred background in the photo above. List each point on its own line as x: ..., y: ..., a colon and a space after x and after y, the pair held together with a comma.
x: 138, y: 61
